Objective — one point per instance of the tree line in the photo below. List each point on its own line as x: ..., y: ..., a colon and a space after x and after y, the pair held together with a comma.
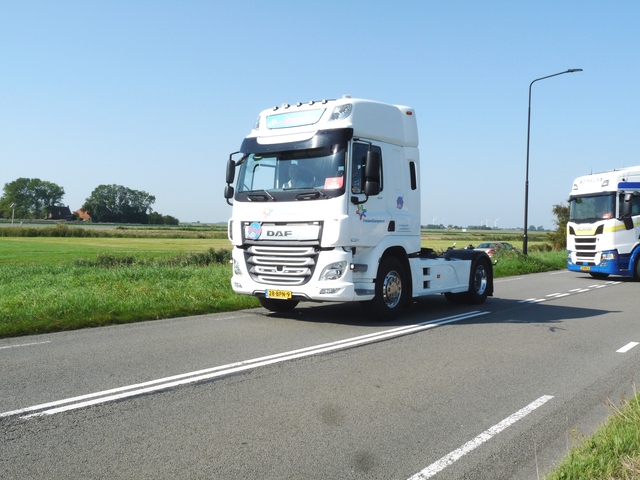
x: 32, y: 198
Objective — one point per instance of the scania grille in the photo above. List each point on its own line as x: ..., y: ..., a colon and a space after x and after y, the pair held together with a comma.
x: 287, y: 266
x: 585, y: 249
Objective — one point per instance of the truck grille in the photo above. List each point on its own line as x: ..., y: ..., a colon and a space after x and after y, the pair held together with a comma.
x: 585, y: 249
x: 274, y: 265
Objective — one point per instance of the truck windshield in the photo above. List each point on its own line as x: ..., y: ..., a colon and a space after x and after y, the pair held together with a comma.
x: 284, y: 175
x: 588, y: 209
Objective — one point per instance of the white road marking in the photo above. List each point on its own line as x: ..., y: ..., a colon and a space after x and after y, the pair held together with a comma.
x: 81, y: 401
x: 507, y: 279
x: 627, y: 347
x: 24, y: 345
x: 572, y: 291
x: 449, y: 459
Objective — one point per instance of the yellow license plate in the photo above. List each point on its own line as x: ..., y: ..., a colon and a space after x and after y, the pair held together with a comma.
x: 278, y: 294
x: 586, y: 269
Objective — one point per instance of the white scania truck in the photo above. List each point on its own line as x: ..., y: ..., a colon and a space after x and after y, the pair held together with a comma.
x: 326, y: 208
x: 604, y: 224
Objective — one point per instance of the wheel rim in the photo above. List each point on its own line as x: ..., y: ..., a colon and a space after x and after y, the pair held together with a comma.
x: 480, y: 279
x: 392, y: 289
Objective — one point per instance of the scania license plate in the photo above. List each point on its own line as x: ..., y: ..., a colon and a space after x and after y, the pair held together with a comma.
x: 585, y: 269
x: 286, y: 294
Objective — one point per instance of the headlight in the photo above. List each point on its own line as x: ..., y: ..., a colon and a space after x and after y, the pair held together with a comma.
x: 611, y: 255
x: 236, y: 268
x: 333, y: 271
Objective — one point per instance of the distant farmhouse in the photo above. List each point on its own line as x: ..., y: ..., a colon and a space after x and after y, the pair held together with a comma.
x: 59, y: 213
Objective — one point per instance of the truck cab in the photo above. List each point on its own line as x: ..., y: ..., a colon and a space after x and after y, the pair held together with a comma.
x: 604, y: 224
x: 326, y: 207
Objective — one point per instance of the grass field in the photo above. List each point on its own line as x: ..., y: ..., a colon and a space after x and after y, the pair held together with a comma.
x: 55, y: 250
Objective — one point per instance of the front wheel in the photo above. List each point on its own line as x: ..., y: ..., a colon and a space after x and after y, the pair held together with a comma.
x: 391, y: 290
x: 277, y: 305
x: 599, y: 276
x: 478, y: 283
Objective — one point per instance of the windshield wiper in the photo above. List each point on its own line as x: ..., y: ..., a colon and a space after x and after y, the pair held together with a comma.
x: 316, y: 193
x: 251, y: 194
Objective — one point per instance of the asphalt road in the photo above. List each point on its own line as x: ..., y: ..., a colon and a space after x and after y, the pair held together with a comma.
x: 499, y: 391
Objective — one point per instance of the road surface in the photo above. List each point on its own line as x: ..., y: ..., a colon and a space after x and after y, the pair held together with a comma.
x: 496, y: 391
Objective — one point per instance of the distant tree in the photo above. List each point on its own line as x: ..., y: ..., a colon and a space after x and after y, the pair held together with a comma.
x: 541, y: 228
x: 532, y: 228
x: 169, y: 220
x: 559, y: 236
x: 118, y: 204
x: 30, y: 197
x: 156, y: 218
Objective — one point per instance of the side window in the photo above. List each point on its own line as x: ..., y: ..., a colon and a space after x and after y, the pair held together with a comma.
x: 357, y: 166
x: 635, y: 206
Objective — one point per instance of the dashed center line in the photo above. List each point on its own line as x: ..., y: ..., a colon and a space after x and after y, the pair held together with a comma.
x: 447, y: 460
x: 627, y: 347
x: 570, y: 292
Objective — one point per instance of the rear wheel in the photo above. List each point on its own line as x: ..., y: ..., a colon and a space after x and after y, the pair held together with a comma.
x: 391, y: 290
x: 277, y: 305
x: 478, y: 282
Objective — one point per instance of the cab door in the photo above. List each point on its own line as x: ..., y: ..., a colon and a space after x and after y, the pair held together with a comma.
x: 368, y: 216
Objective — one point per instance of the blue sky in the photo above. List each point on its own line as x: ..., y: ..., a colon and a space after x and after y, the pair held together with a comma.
x: 154, y: 95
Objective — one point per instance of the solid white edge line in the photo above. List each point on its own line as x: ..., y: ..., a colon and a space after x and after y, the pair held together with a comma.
x: 206, y: 374
x: 452, y: 457
x: 25, y: 345
x: 627, y: 347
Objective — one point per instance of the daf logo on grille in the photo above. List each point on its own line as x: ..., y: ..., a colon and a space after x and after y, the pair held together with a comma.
x: 279, y: 233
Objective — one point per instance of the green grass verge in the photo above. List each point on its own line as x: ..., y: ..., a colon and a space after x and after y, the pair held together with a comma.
x: 48, y: 298
x: 613, y: 452
x: 517, y: 264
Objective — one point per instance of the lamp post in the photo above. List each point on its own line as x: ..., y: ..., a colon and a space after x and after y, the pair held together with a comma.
x: 13, y: 211
x: 525, y: 238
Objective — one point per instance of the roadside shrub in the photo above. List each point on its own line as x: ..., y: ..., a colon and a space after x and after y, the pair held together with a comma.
x: 193, y: 259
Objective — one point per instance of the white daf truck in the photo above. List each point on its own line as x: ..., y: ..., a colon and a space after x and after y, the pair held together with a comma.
x: 326, y: 208
x: 604, y: 224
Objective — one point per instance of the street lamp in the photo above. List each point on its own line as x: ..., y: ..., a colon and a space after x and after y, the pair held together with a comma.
x: 525, y: 239
x: 13, y: 211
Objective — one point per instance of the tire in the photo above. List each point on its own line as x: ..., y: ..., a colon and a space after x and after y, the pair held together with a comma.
x: 600, y: 276
x: 391, y: 291
x: 276, y: 305
x: 479, y: 282
x: 636, y: 274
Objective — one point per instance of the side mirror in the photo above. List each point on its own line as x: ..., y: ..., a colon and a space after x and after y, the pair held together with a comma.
x: 231, y: 171
x: 372, y: 174
x: 625, y: 211
x: 228, y: 193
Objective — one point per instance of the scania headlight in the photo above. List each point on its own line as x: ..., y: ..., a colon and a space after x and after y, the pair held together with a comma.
x: 333, y: 271
x: 610, y: 255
